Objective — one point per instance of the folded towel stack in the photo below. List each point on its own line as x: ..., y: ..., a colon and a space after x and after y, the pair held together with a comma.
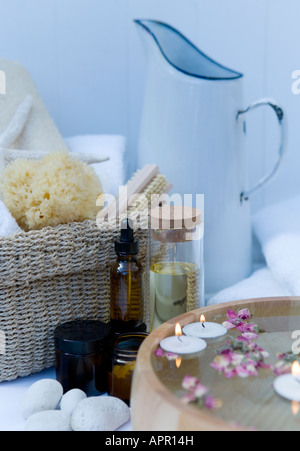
x: 277, y: 229
x: 112, y: 172
x: 261, y: 284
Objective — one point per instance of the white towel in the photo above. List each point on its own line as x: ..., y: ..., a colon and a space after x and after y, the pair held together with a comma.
x: 278, y: 230
x: 261, y: 284
x: 112, y: 172
x: 8, y: 225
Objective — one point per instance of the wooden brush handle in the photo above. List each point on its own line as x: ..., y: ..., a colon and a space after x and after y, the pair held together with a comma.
x: 129, y: 193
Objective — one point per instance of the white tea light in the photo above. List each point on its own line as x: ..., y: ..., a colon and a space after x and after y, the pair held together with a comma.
x: 288, y: 386
x: 181, y: 344
x: 204, y: 329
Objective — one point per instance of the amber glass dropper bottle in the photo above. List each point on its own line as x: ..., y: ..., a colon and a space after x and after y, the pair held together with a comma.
x: 126, y: 283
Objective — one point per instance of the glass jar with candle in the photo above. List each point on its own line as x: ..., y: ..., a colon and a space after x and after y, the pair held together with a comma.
x: 176, y: 283
x: 125, y: 352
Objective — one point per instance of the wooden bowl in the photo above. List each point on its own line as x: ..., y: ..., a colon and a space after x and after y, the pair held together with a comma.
x: 155, y: 408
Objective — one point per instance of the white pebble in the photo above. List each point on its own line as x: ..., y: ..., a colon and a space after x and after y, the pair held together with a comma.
x: 43, y: 395
x: 101, y: 413
x: 49, y: 421
x: 71, y: 399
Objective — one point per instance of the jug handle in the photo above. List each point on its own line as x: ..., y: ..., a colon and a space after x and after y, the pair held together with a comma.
x: 244, y: 196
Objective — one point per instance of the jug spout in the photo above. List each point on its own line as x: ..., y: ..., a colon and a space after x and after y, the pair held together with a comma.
x: 181, y: 53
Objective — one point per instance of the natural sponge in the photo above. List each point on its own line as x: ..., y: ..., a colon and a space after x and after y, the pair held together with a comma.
x: 58, y: 189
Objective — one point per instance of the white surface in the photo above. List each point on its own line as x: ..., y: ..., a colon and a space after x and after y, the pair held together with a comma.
x: 11, y: 394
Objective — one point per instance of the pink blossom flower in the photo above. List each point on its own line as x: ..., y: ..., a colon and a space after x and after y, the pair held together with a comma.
x: 236, y: 359
x: 284, y: 364
x: 242, y: 371
x: 229, y: 373
x: 159, y: 353
x: 251, y: 368
x: 189, y: 398
x: 228, y: 325
x: 239, y: 320
x: 247, y: 327
x: 244, y: 314
x: 282, y: 368
x: 241, y: 356
x: 226, y: 350
x: 169, y: 355
x: 254, y: 347
x: 249, y: 336
x: 189, y: 382
x: 258, y: 351
x: 282, y: 356
x: 232, y: 315
x: 211, y: 403
x: 221, y: 362
x: 264, y: 365
x: 200, y: 390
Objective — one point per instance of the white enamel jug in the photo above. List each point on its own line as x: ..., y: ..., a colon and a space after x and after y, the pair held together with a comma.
x: 193, y: 127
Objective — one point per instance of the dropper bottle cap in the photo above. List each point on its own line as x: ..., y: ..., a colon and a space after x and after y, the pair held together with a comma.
x: 127, y: 245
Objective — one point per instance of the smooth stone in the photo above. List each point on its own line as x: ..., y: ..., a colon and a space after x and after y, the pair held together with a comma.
x: 43, y: 395
x: 103, y: 413
x: 49, y: 421
x: 71, y: 399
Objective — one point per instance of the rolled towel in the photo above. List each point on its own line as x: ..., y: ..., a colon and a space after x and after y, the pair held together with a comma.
x: 17, y: 124
x: 32, y: 128
x: 260, y: 285
x: 277, y: 228
x: 8, y: 225
x: 111, y: 173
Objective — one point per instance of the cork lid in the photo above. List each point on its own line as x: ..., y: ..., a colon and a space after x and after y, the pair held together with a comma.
x: 170, y: 217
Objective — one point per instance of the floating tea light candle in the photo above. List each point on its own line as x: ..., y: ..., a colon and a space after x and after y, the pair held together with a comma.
x: 204, y: 330
x: 181, y: 344
x: 288, y: 386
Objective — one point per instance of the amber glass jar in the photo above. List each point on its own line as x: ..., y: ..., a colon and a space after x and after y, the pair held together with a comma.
x: 83, y: 350
x: 123, y: 364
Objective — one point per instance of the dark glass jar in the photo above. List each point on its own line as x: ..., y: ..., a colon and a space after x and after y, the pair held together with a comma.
x: 123, y: 364
x: 83, y: 350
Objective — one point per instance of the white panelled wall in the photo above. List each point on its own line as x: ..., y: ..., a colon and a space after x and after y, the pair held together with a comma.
x: 88, y: 62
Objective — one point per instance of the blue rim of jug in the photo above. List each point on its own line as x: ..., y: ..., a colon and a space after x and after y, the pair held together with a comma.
x: 235, y: 75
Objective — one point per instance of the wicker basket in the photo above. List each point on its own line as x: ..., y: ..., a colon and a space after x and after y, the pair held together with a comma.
x: 52, y: 276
